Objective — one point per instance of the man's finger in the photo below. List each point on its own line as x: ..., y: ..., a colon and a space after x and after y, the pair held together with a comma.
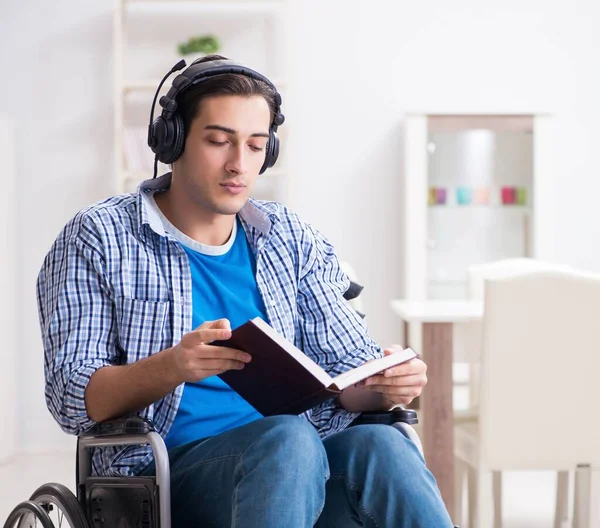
x: 206, y: 335
x: 397, y: 392
x: 392, y: 350
x: 222, y: 324
x: 411, y: 367
x: 219, y: 352
x: 221, y: 365
x: 417, y: 380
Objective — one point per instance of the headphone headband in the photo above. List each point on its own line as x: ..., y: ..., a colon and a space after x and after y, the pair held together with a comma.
x: 199, y: 71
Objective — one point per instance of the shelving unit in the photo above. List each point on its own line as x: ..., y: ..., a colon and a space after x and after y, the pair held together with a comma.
x: 448, y: 151
x: 146, y: 34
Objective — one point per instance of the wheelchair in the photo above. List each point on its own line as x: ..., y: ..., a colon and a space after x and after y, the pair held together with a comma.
x: 132, y: 502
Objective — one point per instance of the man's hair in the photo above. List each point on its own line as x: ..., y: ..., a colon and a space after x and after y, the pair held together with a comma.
x: 188, y: 102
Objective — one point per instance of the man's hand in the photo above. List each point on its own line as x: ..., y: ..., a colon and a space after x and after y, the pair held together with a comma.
x: 194, y: 358
x: 117, y: 390
x: 400, y: 384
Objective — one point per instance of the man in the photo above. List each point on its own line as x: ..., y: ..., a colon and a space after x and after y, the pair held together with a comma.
x: 135, y: 289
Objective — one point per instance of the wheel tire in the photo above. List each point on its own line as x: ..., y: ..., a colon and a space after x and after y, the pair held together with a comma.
x: 62, y: 497
x: 28, y: 510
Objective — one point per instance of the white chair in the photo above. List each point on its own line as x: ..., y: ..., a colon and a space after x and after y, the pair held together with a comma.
x: 467, y: 336
x: 538, y: 392
x: 468, y: 344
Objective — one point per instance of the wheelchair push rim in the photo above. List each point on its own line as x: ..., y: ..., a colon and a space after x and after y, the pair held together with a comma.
x: 27, y: 514
x: 59, y: 504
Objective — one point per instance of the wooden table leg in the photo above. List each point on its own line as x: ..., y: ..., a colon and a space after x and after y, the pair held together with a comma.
x: 437, y: 411
x: 415, y: 404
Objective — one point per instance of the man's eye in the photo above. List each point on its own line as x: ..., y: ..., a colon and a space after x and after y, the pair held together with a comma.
x: 219, y: 143
x: 256, y: 149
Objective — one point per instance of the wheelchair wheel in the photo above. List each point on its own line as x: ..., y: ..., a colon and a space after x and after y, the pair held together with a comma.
x: 27, y: 514
x: 61, y: 505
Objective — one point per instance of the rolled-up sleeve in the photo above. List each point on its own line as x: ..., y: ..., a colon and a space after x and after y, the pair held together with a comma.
x: 77, y: 324
x: 331, y: 332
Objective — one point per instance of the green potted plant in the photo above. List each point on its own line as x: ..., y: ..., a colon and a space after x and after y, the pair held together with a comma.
x: 197, y: 47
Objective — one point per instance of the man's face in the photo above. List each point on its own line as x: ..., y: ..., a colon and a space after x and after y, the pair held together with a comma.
x: 224, y: 152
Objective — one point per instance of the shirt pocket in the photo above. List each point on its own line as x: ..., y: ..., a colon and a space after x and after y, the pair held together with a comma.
x: 141, y: 327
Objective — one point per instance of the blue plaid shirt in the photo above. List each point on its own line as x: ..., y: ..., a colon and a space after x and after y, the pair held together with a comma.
x: 116, y: 288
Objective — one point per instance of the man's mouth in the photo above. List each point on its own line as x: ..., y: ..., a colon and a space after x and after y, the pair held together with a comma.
x: 233, y: 187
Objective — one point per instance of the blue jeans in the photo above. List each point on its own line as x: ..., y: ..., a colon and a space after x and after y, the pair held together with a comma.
x: 276, y: 472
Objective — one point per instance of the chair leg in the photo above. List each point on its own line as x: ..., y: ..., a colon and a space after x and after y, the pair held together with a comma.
x: 595, y: 498
x: 472, y: 488
x: 484, y: 514
x: 459, y: 482
x: 587, y: 495
x: 561, y: 514
x: 497, y: 491
x: 582, y: 489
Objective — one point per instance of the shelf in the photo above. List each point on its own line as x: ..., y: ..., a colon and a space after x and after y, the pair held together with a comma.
x: 522, y: 208
x: 205, y: 2
x: 458, y: 282
x: 239, y: 7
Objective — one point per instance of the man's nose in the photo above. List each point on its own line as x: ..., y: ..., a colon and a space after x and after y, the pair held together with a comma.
x: 237, y: 163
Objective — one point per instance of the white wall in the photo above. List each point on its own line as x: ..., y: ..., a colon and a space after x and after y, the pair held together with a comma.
x: 357, y: 67
x: 360, y: 67
x: 57, y: 85
x: 8, y: 289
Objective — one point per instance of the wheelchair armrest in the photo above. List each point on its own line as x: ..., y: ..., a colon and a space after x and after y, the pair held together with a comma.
x: 353, y: 291
x: 407, y: 416
x: 131, y: 425
x: 132, y: 430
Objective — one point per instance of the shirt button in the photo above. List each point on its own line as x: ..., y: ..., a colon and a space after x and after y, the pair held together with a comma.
x: 273, y: 302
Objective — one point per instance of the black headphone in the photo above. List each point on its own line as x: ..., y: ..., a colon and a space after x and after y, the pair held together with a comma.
x: 166, y: 133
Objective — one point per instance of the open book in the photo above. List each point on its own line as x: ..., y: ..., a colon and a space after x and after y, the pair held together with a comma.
x: 281, y: 379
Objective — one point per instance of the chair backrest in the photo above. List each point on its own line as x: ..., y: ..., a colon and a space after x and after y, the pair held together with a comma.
x: 477, y: 274
x: 467, y: 336
x: 539, y: 388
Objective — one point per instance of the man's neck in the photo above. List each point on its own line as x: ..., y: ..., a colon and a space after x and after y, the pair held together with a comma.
x: 206, y: 227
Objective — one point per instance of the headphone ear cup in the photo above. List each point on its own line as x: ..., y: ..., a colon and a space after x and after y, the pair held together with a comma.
x: 272, y: 151
x: 157, y: 135
x: 173, y: 146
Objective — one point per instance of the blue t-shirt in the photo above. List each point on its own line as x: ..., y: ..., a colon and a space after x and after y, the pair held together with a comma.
x: 223, y: 286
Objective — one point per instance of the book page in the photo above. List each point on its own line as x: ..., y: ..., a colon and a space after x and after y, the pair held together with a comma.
x: 350, y: 377
x: 295, y: 352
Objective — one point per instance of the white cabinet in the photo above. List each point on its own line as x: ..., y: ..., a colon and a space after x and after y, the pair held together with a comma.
x: 8, y: 289
x: 477, y: 188
x: 146, y: 37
